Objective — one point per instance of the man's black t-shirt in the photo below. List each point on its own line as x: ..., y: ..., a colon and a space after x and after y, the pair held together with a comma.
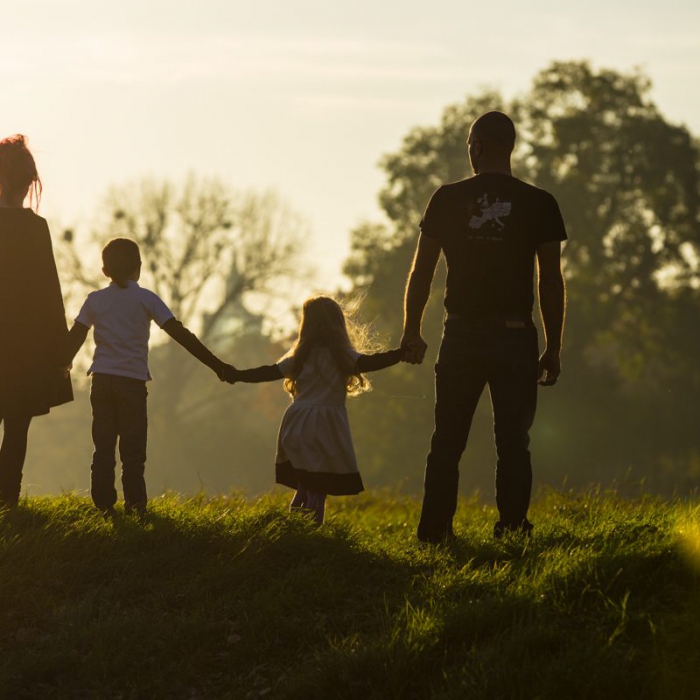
x: 489, y: 227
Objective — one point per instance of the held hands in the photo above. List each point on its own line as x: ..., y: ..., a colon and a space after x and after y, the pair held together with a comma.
x: 549, y: 368
x: 414, y: 348
x: 228, y: 374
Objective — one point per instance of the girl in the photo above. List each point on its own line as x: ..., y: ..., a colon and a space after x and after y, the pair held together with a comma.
x: 32, y: 317
x: 315, y: 455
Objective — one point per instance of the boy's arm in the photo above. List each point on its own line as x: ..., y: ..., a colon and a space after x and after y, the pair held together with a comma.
x: 74, y: 341
x: 380, y: 360
x: 194, y: 346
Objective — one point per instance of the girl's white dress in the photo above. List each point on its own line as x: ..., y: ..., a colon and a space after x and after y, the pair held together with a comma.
x: 314, y: 446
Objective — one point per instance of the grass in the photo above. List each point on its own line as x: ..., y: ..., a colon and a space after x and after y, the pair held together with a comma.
x: 222, y: 598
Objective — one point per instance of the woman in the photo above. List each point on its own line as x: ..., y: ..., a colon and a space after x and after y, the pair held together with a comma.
x: 32, y: 318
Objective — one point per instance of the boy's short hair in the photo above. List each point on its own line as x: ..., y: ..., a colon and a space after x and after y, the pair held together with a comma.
x: 121, y: 258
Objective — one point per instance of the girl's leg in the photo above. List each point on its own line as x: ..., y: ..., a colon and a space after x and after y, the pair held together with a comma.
x: 12, y: 454
x: 300, y: 500
x: 317, y: 504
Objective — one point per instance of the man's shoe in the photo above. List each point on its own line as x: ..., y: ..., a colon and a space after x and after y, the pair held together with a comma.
x: 501, y: 528
x: 445, y: 539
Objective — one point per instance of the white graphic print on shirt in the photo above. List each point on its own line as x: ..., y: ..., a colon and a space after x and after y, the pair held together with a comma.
x: 490, y: 212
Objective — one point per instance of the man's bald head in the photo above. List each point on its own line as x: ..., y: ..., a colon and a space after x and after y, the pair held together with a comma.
x: 492, y: 135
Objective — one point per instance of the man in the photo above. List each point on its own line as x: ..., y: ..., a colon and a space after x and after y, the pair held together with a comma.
x: 491, y: 228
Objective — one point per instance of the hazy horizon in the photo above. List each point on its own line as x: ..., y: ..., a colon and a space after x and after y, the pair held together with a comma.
x: 302, y: 96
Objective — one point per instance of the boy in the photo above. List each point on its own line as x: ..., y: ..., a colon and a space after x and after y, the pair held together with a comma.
x: 121, y: 314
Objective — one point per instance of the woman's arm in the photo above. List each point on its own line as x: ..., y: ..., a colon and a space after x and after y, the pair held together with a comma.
x: 48, y: 286
x: 74, y: 341
x: 380, y: 360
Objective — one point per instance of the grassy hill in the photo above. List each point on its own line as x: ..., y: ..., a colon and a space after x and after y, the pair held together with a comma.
x: 226, y: 599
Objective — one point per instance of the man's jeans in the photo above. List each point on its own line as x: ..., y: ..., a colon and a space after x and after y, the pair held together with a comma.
x: 473, y: 354
x: 119, y: 411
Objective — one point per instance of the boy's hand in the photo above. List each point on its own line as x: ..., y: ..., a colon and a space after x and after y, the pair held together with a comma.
x: 224, y: 372
x: 65, y: 371
x: 229, y: 374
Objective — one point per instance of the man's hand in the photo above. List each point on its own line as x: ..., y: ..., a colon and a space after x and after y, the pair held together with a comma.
x: 549, y: 368
x: 65, y: 371
x: 414, y: 347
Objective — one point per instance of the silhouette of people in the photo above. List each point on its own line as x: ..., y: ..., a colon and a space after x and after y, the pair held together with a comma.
x: 315, y: 454
x: 492, y: 228
x: 32, y: 316
x: 121, y: 314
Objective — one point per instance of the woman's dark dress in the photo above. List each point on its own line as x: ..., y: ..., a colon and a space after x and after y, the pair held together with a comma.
x: 32, y: 318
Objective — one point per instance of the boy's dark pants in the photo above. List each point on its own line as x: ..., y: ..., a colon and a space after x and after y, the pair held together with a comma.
x: 119, y: 411
x: 472, y: 355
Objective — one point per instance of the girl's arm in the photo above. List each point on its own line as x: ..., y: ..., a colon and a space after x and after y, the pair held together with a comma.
x: 194, y: 346
x: 379, y: 360
x: 266, y: 373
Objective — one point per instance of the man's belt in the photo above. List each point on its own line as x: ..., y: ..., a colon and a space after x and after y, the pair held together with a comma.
x: 506, y: 321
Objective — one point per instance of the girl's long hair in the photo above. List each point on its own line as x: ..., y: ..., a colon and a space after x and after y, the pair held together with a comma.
x: 324, y: 325
x: 18, y: 169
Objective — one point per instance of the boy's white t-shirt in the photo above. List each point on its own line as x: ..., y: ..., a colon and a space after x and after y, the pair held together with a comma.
x: 122, y: 320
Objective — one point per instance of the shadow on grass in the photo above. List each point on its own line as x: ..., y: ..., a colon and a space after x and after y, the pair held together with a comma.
x: 188, y: 603
x: 226, y: 600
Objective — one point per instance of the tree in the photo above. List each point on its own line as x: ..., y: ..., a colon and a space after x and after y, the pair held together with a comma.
x: 219, y: 258
x: 627, y: 181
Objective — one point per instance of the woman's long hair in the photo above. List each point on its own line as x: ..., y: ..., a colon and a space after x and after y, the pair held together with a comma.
x: 324, y: 325
x: 18, y: 169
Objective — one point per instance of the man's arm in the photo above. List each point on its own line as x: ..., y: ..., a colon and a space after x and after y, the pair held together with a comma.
x: 552, y: 295
x: 420, y: 280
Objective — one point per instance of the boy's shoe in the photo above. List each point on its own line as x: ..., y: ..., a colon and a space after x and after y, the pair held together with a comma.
x: 136, y: 511
x: 524, y: 528
x: 108, y: 513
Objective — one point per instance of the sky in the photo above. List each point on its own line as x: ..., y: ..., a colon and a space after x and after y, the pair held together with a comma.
x: 302, y: 96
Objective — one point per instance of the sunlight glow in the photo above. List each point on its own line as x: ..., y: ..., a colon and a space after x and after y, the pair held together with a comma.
x: 688, y: 532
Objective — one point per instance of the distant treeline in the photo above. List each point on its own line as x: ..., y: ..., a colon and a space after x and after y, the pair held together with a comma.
x: 628, y: 402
